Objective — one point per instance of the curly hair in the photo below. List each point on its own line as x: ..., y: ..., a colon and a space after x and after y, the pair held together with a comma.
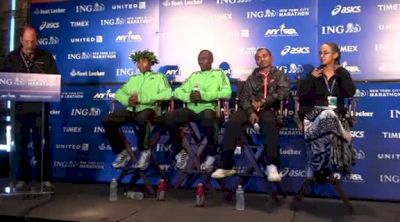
x: 145, y: 54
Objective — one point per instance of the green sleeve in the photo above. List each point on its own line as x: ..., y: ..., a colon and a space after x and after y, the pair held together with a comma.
x: 122, y: 95
x: 224, y: 91
x: 163, y: 92
x: 183, y: 92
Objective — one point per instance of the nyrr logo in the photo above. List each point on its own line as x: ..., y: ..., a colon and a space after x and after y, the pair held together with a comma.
x: 75, y: 24
x: 49, y: 25
x: 394, y: 113
x: 352, y: 69
x: 96, y: 7
x: 341, y: 29
x: 104, y: 147
x: 346, y: 10
x: 353, y: 178
x: 51, y: 40
x: 281, y: 31
x: 295, y: 50
x: 292, y: 172
x: 232, y: 2
x: 130, y: 37
x: 86, y: 112
x: 125, y: 72
x: 389, y: 156
x: 357, y: 134
x: 388, y: 178
x: 268, y: 13
x: 292, y: 68
x: 349, y: 48
x: 108, y: 95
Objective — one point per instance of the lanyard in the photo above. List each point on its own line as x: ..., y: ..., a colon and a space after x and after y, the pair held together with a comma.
x: 28, y: 64
x: 330, y: 89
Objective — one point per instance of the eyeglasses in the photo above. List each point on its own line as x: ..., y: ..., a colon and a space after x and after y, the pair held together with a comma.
x: 325, y: 53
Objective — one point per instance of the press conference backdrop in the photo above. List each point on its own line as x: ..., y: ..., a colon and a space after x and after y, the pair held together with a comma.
x: 92, y: 40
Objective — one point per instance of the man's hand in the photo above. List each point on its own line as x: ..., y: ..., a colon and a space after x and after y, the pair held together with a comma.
x: 195, y: 97
x: 133, y: 100
x: 253, y: 118
x: 256, y: 105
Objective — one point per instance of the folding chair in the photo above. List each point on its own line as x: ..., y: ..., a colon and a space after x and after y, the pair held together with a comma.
x: 253, y: 152
x: 153, y: 135
x: 334, y: 181
x: 195, y: 144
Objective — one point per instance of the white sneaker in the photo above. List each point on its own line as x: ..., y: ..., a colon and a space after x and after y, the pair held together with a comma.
x: 221, y: 173
x: 144, y: 160
x: 181, y: 160
x: 121, y: 160
x: 208, y: 165
x: 272, y: 173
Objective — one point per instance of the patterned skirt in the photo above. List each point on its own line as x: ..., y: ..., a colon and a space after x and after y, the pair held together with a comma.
x: 328, y: 141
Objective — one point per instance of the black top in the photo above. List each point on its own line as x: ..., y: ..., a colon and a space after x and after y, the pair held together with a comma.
x: 314, y: 91
x: 42, y: 62
x: 253, y: 90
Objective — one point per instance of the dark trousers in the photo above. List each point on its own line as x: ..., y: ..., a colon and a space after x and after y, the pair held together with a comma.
x: 206, y: 120
x: 235, y: 131
x: 28, y: 135
x: 112, y: 125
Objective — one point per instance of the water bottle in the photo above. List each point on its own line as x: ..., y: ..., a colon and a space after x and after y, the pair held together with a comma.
x: 239, y: 198
x: 134, y: 195
x: 162, y: 188
x: 195, y: 88
x: 200, y: 195
x: 256, y: 127
x: 113, y: 190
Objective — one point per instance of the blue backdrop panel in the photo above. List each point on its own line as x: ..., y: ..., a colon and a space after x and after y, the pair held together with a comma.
x: 91, y: 42
x: 93, y: 39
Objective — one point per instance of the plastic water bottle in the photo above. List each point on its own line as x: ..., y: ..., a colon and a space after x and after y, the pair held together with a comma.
x: 256, y: 127
x: 195, y: 88
x: 200, y: 195
x: 113, y: 190
x: 134, y: 195
x: 162, y: 188
x: 239, y: 198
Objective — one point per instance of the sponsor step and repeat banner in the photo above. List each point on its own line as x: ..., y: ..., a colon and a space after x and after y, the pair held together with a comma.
x: 91, y: 42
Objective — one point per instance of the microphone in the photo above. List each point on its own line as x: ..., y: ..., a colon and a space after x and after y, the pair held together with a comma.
x: 321, y: 67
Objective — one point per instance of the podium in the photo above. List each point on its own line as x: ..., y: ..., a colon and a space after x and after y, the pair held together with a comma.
x: 28, y: 87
